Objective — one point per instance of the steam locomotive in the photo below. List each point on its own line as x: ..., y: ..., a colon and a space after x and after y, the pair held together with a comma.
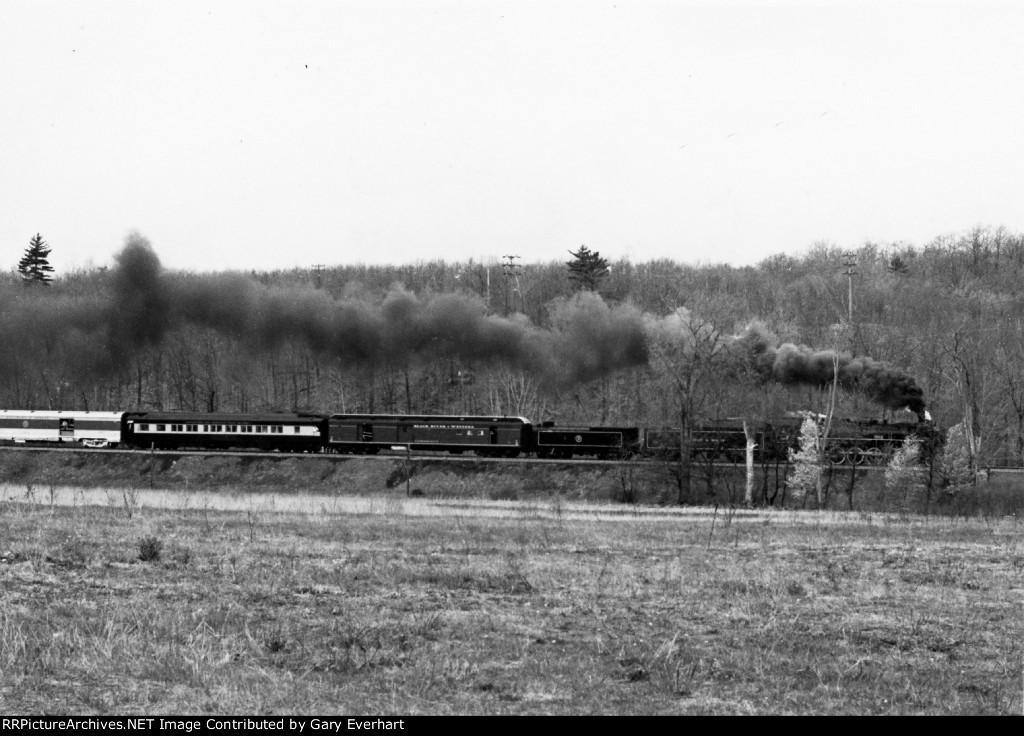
x: 850, y: 442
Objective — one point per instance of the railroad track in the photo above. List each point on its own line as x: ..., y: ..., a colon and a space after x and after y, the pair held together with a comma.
x: 382, y: 456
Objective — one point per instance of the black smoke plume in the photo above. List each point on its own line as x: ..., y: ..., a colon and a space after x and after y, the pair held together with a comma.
x: 140, y: 310
x: 588, y: 338
x: 791, y: 364
x: 96, y: 335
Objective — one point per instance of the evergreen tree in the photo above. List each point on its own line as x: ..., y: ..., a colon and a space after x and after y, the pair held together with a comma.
x: 588, y: 269
x: 898, y: 265
x: 34, y: 266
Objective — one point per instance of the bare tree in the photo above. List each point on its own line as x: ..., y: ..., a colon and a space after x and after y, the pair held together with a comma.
x: 967, y: 375
x: 691, y: 353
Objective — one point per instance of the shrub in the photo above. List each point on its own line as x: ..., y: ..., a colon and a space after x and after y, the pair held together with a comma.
x: 149, y: 549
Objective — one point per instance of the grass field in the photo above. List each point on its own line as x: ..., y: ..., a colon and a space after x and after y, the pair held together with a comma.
x: 161, y: 602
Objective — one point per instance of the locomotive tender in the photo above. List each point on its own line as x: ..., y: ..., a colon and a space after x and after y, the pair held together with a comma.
x: 850, y: 442
x: 605, y: 442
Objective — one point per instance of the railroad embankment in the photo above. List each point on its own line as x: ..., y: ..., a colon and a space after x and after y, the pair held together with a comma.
x: 643, y: 482
x: 510, y: 480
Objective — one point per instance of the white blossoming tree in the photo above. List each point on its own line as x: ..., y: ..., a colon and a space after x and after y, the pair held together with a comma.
x: 956, y: 460
x: 905, y: 476
x: 806, y: 467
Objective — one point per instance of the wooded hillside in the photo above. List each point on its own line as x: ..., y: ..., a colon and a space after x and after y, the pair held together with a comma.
x: 937, y: 324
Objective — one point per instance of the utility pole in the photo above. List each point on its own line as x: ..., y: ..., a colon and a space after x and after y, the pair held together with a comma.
x: 850, y: 264
x: 318, y: 269
x: 511, y: 270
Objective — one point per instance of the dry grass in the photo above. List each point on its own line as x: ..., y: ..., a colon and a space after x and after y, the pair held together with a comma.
x: 291, y: 603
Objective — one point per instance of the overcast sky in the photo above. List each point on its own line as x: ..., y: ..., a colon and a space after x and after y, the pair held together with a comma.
x: 273, y: 135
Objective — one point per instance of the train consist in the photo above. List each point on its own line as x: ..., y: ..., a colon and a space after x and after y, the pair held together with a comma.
x: 851, y: 442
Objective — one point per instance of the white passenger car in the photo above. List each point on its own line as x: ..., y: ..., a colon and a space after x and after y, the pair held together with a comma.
x: 88, y: 428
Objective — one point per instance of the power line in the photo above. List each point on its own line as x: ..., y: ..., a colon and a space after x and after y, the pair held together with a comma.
x: 511, y: 271
x: 318, y: 269
x: 850, y: 264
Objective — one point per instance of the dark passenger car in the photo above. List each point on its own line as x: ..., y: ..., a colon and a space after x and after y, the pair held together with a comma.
x: 370, y: 433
